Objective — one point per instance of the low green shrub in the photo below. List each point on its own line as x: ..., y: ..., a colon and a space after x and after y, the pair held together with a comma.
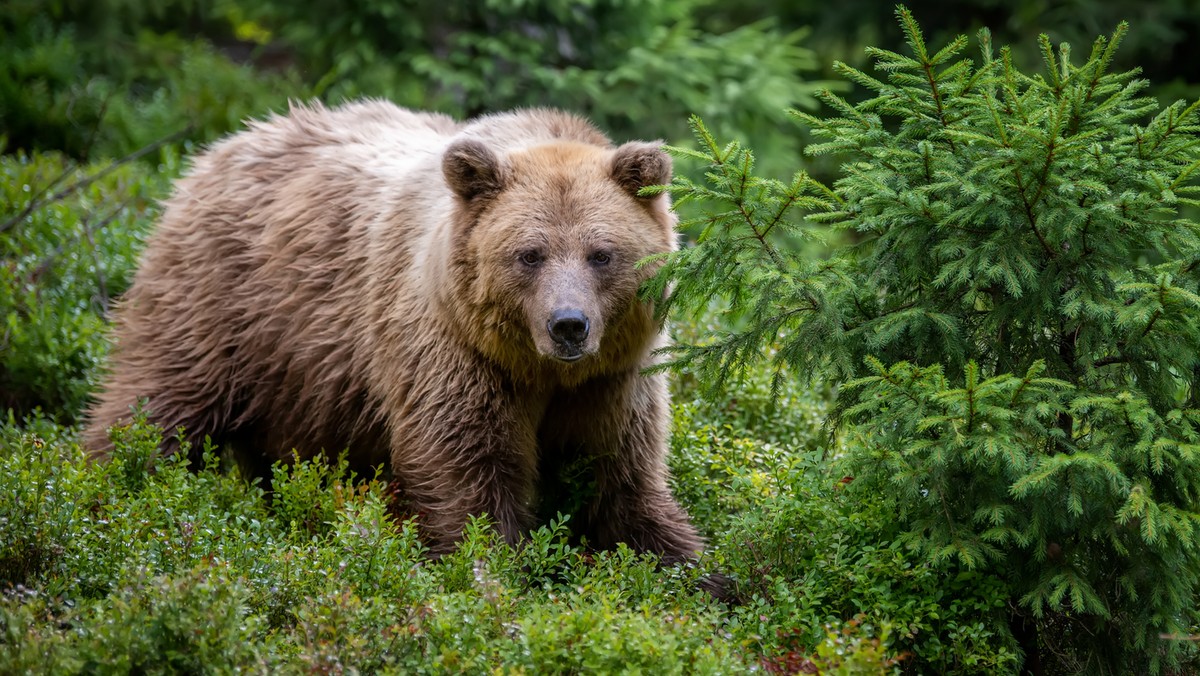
x: 734, y: 448
x: 146, y: 563
x: 192, y: 622
x: 819, y: 553
x: 38, y: 506
x: 307, y: 495
x: 69, y: 240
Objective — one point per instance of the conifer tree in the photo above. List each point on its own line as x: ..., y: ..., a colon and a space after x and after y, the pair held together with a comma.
x: 1015, y: 318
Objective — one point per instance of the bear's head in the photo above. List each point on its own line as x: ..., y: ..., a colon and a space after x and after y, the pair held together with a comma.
x: 546, y: 245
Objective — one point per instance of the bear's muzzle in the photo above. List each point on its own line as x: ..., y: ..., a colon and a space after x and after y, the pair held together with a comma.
x: 568, y: 328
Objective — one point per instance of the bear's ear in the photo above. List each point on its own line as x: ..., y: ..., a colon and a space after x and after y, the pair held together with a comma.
x: 638, y: 164
x: 472, y: 170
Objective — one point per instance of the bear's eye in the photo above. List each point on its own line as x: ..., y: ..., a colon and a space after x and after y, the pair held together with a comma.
x: 600, y: 258
x: 530, y: 258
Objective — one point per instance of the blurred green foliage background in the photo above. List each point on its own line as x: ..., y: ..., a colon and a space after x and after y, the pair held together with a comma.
x: 100, y: 78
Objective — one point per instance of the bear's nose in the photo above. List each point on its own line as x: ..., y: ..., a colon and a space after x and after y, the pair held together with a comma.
x: 568, y: 328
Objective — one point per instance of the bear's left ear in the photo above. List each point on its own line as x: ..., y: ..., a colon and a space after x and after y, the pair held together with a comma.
x: 638, y: 164
x: 472, y: 170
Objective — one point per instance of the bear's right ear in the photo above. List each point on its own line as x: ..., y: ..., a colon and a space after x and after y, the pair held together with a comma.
x: 472, y: 170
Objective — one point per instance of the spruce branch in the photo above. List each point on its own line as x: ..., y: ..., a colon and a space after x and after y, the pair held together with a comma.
x: 1000, y: 223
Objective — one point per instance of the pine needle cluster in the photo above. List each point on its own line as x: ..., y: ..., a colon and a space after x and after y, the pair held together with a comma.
x: 1015, y: 316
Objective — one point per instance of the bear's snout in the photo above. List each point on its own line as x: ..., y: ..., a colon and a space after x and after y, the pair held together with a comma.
x: 569, y: 328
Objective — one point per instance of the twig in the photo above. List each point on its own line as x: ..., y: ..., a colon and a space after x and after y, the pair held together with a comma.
x: 71, y: 166
x: 85, y: 182
x: 101, y: 278
x: 88, y: 230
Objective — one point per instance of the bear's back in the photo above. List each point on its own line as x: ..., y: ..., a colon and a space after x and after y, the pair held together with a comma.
x: 247, y: 316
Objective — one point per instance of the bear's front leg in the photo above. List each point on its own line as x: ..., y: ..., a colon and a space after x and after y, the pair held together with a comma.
x: 620, y: 424
x: 463, y: 449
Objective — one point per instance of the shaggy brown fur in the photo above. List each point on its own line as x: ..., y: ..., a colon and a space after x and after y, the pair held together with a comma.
x: 457, y: 299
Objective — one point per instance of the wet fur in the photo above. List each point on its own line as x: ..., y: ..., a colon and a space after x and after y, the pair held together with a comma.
x: 345, y: 278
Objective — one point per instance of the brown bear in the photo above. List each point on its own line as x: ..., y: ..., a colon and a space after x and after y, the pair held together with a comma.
x: 457, y: 299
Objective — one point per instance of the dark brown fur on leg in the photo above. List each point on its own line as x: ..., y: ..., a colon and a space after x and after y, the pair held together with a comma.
x: 476, y: 457
x: 625, y: 441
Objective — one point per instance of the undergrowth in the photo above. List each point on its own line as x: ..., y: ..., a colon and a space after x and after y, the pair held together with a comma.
x: 145, y: 564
